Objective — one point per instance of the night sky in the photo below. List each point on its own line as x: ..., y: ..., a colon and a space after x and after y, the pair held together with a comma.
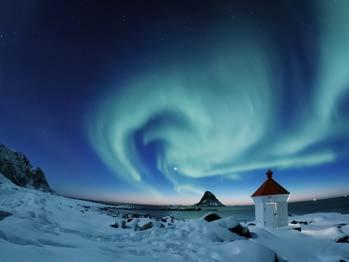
x: 158, y: 101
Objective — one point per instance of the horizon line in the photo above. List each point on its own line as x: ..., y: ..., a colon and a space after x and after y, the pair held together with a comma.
x: 157, y: 204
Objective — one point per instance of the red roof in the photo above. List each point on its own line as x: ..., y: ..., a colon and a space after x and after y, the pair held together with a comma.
x: 270, y: 187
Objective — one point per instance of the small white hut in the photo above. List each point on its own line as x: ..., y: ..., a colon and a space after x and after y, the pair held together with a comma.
x: 271, y: 203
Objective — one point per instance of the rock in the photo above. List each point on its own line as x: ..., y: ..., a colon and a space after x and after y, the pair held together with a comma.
x: 115, y: 225
x: 341, y: 225
x: 4, y: 214
x: 123, y: 225
x: 297, y: 229
x: 299, y: 222
x: 167, y: 219
x: 211, y: 217
x: 241, y: 231
x: 39, y: 180
x: 344, y: 239
x: 145, y: 226
x: 17, y: 168
x: 209, y: 200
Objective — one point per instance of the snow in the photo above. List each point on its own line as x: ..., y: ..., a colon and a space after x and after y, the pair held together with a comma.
x: 47, y: 227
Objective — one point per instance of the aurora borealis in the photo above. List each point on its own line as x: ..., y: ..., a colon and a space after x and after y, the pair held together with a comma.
x: 157, y: 103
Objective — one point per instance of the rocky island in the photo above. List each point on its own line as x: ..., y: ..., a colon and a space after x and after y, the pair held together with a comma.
x: 209, y: 200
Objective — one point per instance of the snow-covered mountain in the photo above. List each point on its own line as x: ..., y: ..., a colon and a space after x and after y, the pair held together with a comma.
x: 39, y: 226
x: 209, y: 200
x: 17, y: 168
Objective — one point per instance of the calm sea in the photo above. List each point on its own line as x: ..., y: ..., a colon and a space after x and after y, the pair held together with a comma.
x: 246, y: 213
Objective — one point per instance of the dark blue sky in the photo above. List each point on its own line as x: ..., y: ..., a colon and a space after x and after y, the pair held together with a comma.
x: 158, y: 101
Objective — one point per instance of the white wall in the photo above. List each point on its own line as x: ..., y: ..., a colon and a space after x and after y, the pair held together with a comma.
x: 259, y: 211
x: 281, y: 210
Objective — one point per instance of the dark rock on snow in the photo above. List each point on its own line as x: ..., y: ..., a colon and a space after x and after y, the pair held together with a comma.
x: 127, y: 221
x: 17, y: 168
x: 209, y: 200
x: 297, y: 229
x: 344, y: 239
x: 123, y: 225
x: 167, y: 219
x: 4, y: 214
x: 341, y: 225
x: 146, y: 226
x: 115, y: 225
x: 299, y: 222
x: 211, y: 217
x: 241, y: 231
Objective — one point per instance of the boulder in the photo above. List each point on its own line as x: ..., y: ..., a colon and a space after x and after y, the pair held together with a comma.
x: 115, y: 225
x: 344, y: 239
x: 4, y: 214
x: 241, y: 231
x: 297, y: 229
x: 145, y: 226
x: 123, y: 225
x: 167, y: 219
x: 294, y: 222
x: 341, y: 225
x: 211, y: 217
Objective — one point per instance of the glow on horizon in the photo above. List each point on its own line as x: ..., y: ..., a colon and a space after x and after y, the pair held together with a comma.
x: 178, y: 200
x: 226, y: 131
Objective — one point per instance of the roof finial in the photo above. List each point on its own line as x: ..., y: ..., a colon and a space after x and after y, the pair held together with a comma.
x: 269, y: 174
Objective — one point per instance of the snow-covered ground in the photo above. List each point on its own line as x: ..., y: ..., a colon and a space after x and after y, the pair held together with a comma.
x: 46, y: 227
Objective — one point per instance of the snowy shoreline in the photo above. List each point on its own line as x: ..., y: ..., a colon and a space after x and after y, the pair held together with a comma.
x: 40, y: 226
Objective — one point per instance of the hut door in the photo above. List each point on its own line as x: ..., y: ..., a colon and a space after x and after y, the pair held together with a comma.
x: 270, y: 215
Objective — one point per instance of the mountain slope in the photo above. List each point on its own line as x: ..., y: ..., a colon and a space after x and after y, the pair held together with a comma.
x: 18, y: 169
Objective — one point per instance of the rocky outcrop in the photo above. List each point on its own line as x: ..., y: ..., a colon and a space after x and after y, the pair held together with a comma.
x: 209, y: 200
x: 18, y: 169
